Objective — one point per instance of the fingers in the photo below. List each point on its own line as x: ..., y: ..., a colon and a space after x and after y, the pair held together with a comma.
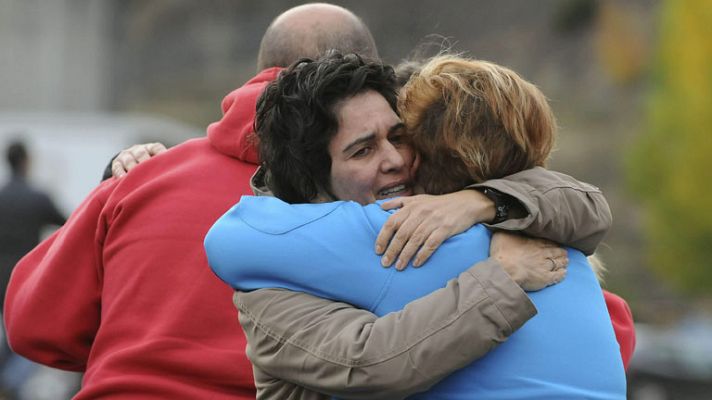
x: 387, y: 231
x: 123, y: 163
x: 541, y: 280
x: 417, y: 229
x: 558, y: 257
x: 434, y: 241
x: 562, y: 262
x: 554, y: 264
x: 142, y: 152
x: 155, y: 148
x: 129, y: 162
x: 556, y: 277
x: 412, y: 245
x: 393, y: 223
x: 401, y: 237
x: 557, y: 272
x: 134, y: 155
x: 117, y: 170
x: 392, y: 203
x: 139, y: 153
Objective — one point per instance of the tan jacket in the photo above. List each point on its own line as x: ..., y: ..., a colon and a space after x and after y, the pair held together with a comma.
x: 302, y: 346
x: 334, y: 348
x: 555, y: 207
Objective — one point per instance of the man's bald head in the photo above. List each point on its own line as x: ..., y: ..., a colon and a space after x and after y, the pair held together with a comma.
x: 309, y: 31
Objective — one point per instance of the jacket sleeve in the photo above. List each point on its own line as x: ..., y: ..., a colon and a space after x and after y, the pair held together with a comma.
x: 351, y: 353
x: 269, y: 387
x: 52, y: 308
x: 555, y: 207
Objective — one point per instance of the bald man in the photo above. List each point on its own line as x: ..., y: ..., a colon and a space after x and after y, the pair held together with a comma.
x: 310, y: 30
x: 123, y: 292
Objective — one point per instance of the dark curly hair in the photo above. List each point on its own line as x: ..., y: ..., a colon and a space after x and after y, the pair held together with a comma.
x: 296, y: 119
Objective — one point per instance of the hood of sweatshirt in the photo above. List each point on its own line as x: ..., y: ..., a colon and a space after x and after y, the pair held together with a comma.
x: 234, y: 134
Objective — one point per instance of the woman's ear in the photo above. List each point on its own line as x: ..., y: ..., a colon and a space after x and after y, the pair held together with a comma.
x: 321, y: 198
x: 416, y: 164
x: 324, y: 196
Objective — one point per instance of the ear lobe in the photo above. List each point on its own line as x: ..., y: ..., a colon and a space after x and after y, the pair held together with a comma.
x: 416, y: 164
x: 324, y: 196
x: 321, y: 198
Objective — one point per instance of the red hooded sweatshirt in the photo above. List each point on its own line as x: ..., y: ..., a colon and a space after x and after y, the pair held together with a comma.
x: 123, y: 290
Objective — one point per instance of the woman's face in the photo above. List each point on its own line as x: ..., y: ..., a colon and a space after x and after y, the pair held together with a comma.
x: 370, y: 156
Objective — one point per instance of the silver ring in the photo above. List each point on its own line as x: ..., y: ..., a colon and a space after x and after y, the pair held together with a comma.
x: 554, y: 266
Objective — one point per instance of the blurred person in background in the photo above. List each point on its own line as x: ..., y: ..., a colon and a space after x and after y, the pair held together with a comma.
x: 24, y: 212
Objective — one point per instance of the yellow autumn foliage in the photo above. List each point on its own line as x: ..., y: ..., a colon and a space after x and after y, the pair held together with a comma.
x: 619, y: 42
x: 671, y: 164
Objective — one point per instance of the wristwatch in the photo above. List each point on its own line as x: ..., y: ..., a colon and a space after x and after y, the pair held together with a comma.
x: 501, y: 204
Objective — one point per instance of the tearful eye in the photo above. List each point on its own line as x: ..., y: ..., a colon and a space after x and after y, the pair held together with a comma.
x: 362, y: 152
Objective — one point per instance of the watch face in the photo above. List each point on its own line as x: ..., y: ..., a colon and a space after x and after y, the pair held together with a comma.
x: 500, y: 205
x: 500, y: 213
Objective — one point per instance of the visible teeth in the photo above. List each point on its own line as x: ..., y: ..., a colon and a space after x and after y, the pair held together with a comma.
x: 394, y: 189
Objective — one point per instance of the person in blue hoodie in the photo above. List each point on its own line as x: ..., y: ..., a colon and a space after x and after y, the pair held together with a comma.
x: 475, y: 120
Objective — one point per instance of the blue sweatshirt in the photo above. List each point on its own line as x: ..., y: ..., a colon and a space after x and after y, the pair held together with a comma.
x: 567, y: 351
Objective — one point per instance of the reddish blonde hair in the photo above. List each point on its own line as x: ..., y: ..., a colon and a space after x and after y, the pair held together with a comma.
x: 474, y: 120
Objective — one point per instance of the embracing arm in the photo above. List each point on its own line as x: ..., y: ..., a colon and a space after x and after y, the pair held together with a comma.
x: 542, y: 203
x: 351, y: 353
x: 555, y: 207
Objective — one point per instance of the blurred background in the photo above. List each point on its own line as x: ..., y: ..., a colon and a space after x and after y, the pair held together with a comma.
x: 630, y: 82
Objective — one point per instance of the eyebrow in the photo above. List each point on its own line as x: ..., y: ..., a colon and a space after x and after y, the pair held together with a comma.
x: 364, y: 139
x: 369, y: 137
x: 396, y: 127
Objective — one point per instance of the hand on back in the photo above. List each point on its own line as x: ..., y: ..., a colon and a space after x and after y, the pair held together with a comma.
x: 424, y: 222
x: 533, y: 263
x: 129, y: 158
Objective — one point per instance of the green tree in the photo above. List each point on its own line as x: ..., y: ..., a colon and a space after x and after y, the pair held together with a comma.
x: 671, y: 163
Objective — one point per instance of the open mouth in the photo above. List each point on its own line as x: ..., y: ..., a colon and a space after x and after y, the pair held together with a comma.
x: 395, y: 191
